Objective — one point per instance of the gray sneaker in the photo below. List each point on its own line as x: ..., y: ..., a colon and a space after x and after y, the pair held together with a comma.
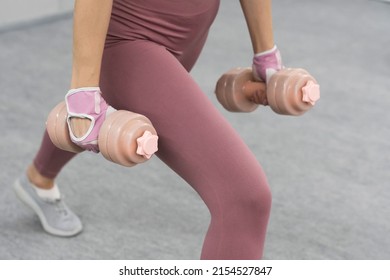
x: 55, y: 216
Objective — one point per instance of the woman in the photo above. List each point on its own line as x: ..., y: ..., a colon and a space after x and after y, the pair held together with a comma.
x: 136, y: 54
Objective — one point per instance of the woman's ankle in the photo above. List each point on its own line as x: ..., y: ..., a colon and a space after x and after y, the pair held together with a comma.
x: 36, y: 178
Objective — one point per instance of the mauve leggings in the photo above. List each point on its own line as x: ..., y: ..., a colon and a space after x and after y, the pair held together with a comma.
x: 194, y: 140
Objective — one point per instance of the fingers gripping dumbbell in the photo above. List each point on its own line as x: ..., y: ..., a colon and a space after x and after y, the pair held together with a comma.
x: 288, y: 92
x: 125, y: 137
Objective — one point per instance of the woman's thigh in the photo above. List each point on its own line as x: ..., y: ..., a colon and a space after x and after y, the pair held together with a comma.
x: 194, y: 138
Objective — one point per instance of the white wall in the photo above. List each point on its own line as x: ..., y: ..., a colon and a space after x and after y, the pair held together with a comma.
x: 13, y: 12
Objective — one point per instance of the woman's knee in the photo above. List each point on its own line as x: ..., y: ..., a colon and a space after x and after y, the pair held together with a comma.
x: 246, y: 203
x: 256, y: 202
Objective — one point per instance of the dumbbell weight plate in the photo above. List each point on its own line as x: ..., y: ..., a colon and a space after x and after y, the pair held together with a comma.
x: 58, y: 131
x: 118, y: 137
x: 230, y: 90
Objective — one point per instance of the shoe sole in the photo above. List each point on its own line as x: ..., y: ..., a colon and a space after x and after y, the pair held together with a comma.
x: 27, y: 200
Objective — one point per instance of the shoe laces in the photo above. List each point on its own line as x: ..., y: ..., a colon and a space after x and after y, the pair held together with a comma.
x: 59, y: 206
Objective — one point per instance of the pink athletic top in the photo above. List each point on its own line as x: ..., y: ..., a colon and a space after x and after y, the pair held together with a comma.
x: 175, y: 24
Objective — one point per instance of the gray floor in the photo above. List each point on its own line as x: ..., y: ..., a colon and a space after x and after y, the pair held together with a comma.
x: 328, y: 170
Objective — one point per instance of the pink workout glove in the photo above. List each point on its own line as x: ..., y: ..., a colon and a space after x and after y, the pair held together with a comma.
x: 267, y: 63
x: 87, y: 103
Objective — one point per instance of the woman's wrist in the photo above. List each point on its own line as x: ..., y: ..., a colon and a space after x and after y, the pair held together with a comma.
x: 85, y: 78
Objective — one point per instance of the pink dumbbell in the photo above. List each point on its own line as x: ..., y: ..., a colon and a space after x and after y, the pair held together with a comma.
x: 125, y: 138
x: 289, y: 91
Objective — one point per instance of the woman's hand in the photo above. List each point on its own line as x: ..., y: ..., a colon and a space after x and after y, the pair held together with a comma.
x: 87, y: 110
x: 265, y: 64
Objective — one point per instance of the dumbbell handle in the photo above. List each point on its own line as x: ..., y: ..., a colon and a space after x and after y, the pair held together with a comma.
x: 255, y: 92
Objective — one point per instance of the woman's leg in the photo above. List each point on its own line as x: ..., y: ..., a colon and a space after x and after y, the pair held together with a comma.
x: 49, y: 161
x: 37, y: 189
x: 196, y: 142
